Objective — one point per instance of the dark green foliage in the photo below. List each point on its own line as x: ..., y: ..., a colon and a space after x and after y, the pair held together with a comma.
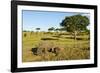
x: 51, y: 29
x: 75, y: 24
x: 37, y: 28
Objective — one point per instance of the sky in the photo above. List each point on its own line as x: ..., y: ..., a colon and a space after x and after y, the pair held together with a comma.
x: 44, y: 19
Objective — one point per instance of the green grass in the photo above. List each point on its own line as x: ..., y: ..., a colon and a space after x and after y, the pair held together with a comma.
x: 73, y: 50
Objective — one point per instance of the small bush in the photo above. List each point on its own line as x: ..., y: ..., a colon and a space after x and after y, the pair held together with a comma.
x: 25, y: 34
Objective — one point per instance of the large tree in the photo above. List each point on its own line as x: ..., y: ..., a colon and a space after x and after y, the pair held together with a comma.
x: 75, y: 24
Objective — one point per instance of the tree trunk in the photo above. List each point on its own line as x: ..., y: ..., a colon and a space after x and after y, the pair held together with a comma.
x: 75, y: 34
x: 75, y: 37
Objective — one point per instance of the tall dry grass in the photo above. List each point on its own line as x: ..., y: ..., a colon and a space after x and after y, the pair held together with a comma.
x: 78, y: 50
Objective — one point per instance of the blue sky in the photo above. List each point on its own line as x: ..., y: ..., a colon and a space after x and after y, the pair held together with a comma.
x: 43, y: 19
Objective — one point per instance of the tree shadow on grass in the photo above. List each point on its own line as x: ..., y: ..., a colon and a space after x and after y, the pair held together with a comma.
x: 49, y: 39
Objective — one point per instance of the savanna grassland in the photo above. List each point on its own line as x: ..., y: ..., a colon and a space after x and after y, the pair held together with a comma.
x: 71, y: 49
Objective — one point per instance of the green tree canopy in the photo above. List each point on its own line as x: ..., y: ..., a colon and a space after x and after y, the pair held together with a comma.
x: 51, y: 29
x: 37, y: 28
x: 75, y: 24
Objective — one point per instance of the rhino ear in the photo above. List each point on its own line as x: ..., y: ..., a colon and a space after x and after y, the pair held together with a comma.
x: 49, y: 50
